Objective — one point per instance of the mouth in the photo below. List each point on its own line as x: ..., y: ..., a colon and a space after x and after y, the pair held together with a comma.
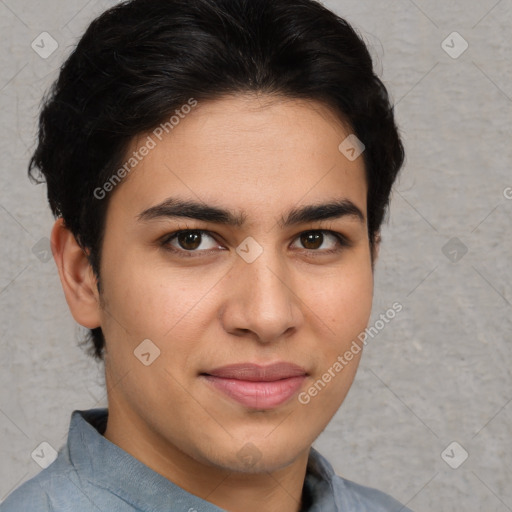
x: 255, y: 386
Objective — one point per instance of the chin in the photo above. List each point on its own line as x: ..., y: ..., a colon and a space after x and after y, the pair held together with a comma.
x: 256, y: 456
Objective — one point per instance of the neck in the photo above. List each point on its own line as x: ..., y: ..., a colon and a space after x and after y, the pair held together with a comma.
x: 272, y: 491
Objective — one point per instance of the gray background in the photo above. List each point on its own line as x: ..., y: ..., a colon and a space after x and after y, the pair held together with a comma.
x: 439, y: 372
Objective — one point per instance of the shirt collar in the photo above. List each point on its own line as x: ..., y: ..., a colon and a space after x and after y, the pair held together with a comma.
x: 105, y: 465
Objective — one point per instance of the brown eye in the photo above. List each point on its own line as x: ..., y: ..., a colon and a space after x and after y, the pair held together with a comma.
x: 322, y: 241
x: 189, y: 240
x: 312, y: 239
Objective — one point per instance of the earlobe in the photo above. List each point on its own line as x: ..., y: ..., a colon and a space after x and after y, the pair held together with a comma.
x: 76, y: 276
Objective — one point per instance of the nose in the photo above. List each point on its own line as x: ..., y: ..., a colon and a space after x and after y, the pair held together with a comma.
x: 262, y: 301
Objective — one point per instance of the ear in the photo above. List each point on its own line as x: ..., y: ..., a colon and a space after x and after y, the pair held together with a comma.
x: 76, y: 276
x: 376, y: 247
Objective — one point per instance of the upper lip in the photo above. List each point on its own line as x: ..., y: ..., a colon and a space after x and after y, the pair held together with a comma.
x: 258, y: 373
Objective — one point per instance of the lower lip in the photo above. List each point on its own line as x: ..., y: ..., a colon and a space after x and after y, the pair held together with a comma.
x: 258, y: 395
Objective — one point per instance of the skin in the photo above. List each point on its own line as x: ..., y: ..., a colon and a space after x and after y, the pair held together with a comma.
x: 261, y: 156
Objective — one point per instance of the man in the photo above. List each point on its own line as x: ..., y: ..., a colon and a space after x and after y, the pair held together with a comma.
x: 219, y: 171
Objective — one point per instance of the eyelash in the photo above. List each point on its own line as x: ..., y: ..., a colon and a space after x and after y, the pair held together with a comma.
x: 342, y: 242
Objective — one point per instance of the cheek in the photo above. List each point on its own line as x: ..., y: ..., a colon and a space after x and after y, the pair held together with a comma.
x: 343, y: 301
x: 154, y: 299
x: 341, y: 314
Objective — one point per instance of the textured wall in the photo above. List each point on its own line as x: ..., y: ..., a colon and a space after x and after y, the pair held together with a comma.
x: 438, y: 373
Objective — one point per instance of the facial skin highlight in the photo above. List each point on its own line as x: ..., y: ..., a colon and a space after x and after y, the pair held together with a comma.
x: 258, y: 158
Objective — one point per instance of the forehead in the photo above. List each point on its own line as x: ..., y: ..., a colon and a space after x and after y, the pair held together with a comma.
x: 245, y: 152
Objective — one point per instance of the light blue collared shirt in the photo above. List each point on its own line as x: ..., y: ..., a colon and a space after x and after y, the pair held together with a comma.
x: 91, y: 474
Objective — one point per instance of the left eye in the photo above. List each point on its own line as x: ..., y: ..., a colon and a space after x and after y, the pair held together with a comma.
x: 313, y: 240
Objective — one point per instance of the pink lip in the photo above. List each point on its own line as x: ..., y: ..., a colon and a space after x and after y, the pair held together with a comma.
x: 259, y: 387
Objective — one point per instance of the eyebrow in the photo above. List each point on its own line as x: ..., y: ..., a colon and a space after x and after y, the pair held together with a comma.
x: 177, y: 208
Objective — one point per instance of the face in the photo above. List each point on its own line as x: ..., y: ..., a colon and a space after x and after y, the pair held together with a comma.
x: 255, y: 273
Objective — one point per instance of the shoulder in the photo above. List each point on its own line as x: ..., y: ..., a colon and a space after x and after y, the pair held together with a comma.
x: 29, y: 496
x: 54, y: 489
x: 360, y: 498
x: 60, y: 487
x: 348, y: 495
